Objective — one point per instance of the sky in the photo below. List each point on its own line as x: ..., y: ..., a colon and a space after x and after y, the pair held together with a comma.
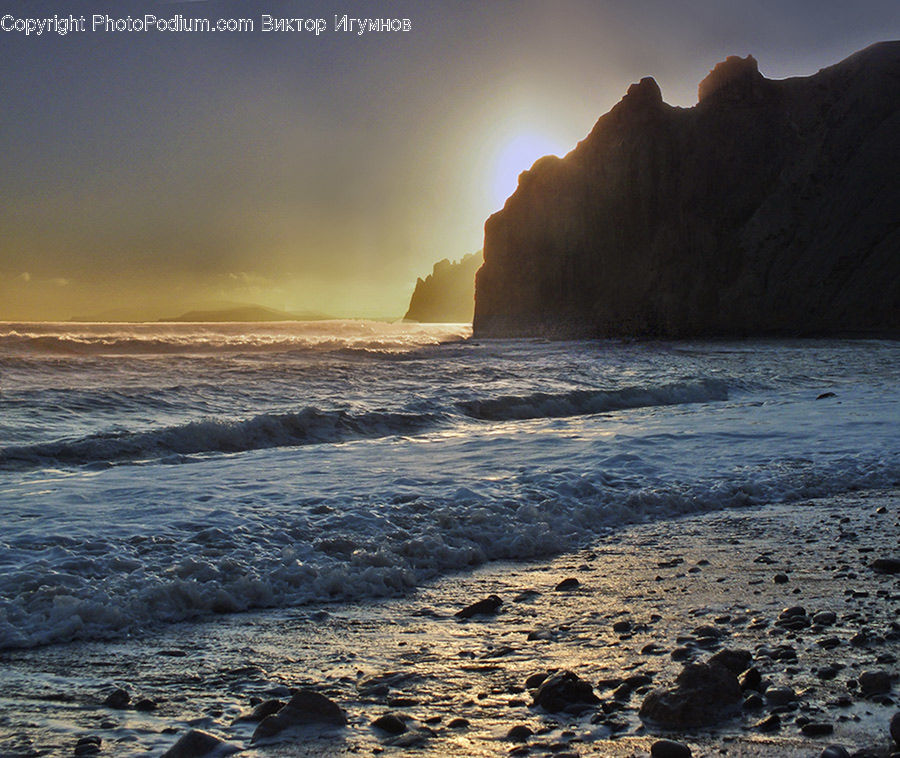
x: 143, y: 174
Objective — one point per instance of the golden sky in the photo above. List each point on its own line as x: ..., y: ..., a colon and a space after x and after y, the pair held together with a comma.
x: 144, y: 174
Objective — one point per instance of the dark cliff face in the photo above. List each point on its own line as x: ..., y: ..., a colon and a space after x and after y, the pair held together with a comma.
x: 447, y: 294
x: 769, y: 208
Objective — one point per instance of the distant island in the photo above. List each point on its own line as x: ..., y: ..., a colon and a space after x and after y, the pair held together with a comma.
x: 770, y: 208
x: 447, y: 294
x: 246, y: 313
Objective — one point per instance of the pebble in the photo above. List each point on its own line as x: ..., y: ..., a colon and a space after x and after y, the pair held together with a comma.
x: 780, y: 695
x: 197, y: 743
x: 145, y: 704
x: 519, y: 733
x: 118, y: 699
x: 568, y: 584
x: 261, y: 710
x: 895, y: 728
x: 816, y: 729
x: 486, y: 607
x: 834, y: 751
x: 886, y: 565
x: 458, y: 723
x: 702, y: 695
x: 305, y: 707
x: 874, y: 683
x: 564, y: 691
x: 88, y: 745
x: 669, y: 749
x: 390, y: 723
x: 770, y: 723
x: 780, y: 579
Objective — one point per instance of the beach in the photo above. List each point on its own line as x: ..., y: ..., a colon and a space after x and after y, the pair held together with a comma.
x: 659, y: 583
x: 200, y: 519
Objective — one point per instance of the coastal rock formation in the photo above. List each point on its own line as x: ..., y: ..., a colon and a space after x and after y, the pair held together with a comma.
x: 769, y: 208
x: 446, y: 295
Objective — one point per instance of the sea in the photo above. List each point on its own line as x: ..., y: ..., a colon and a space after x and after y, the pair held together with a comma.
x: 160, y: 473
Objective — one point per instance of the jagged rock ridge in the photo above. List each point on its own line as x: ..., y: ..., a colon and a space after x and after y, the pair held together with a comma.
x: 447, y: 294
x: 769, y: 208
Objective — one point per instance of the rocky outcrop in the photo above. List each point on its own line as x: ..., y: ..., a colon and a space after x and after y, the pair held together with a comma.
x: 447, y: 294
x: 769, y: 208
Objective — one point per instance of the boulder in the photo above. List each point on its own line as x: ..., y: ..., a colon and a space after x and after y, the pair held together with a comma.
x: 703, y: 694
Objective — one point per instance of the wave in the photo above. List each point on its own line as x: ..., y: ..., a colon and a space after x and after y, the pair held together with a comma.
x: 86, y: 340
x: 312, y: 425
x: 307, y: 427
x: 583, y: 402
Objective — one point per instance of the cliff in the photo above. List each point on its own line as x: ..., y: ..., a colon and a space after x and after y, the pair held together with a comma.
x: 769, y: 208
x: 447, y: 294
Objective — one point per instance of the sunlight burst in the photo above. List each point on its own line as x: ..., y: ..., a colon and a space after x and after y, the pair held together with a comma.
x: 515, y: 156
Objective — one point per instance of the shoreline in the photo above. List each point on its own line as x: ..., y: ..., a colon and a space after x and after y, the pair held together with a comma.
x: 659, y: 583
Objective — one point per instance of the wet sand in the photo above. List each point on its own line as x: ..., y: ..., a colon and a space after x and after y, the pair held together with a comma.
x: 658, y: 583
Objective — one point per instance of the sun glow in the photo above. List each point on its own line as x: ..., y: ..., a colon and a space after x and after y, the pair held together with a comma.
x: 515, y: 155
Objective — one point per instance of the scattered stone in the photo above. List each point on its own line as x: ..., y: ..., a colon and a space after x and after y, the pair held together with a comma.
x: 197, y: 743
x: 519, y: 733
x: 118, y: 699
x: 305, y: 707
x: 88, y: 745
x: 622, y: 627
x: 826, y: 395
x: 753, y: 702
x: 565, y: 691
x: 780, y: 579
x: 771, y: 723
x: 824, y: 618
x: 736, y: 661
x: 669, y: 749
x: 261, y: 710
x: 834, y: 751
x: 874, y: 683
x: 816, y: 729
x: 568, y: 584
x: 780, y: 695
x: 535, y: 680
x: 486, y: 607
x: 750, y: 679
x: 145, y: 704
x: 389, y: 723
x: 458, y: 723
x: 886, y: 565
x: 702, y: 695
x: 895, y: 727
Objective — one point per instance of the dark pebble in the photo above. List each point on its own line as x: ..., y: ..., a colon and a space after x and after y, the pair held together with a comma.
x: 750, y: 679
x: 669, y: 749
x: 816, y: 729
x: 886, y: 565
x: 780, y: 579
x: 567, y: 584
x: 874, y: 683
x: 834, y: 751
x: 145, y: 704
x: 519, y: 733
x: 535, y: 680
x: 753, y: 702
x: 118, y: 699
x: 768, y: 724
x: 389, y: 723
x: 458, y: 723
x: 485, y: 607
x: 825, y: 396
x: 895, y: 727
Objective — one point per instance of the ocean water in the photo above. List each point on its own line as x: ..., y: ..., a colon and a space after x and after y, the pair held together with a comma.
x: 156, y: 473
